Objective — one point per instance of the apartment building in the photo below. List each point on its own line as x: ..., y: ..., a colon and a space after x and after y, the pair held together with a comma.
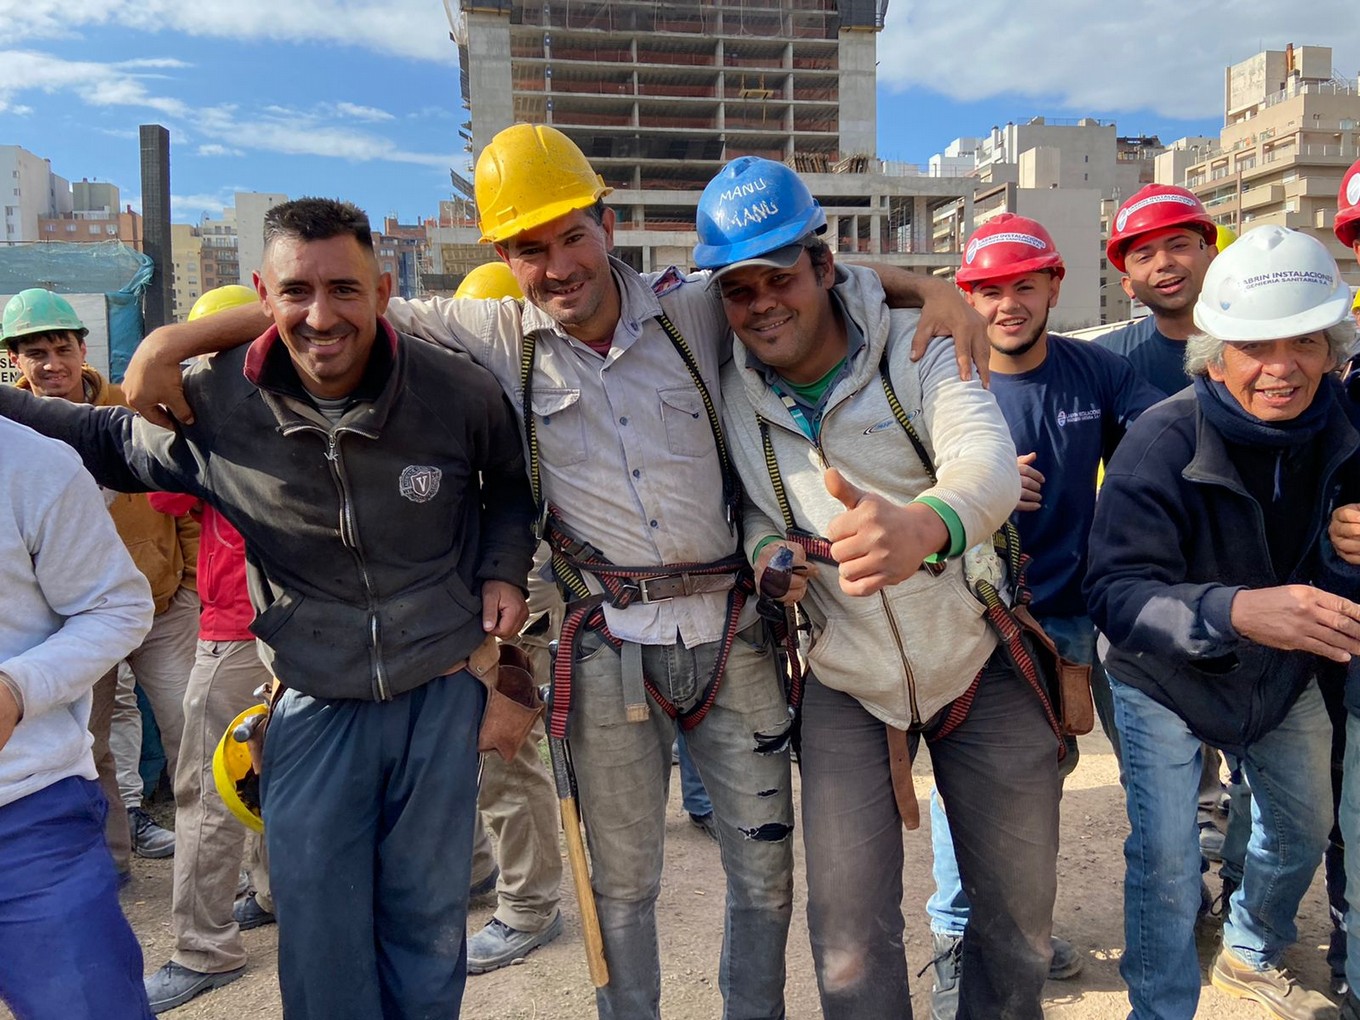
x: 186, y: 261
x: 660, y: 96
x: 29, y: 191
x: 1291, y: 127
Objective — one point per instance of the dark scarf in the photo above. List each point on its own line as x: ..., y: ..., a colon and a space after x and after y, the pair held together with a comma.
x: 1238, y: 426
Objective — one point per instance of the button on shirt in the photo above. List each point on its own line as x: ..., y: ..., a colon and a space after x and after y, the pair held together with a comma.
x: 625, y: 449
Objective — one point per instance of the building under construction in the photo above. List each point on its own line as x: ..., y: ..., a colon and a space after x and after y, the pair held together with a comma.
x: 660, y: 95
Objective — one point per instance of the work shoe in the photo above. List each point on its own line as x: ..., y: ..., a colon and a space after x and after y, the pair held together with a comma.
x: 1066, y: 962
x: 172, y: 986
x: 1276, y: 990
x: 148, y: 838
x: 944, y: 995
x: 706, y: 824
x: 1210, y: 841
x: 498, y: 945
x: 249, y: 914
x: 483, y: 893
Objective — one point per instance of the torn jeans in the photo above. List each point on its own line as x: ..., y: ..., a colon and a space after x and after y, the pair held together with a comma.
x: 623, y: 773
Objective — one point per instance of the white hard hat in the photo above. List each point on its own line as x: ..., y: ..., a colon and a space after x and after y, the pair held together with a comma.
x: 1272, y: 284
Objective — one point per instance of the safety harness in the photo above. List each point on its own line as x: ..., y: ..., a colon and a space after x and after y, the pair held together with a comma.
x: 624, y: 586
x: 1011, y: 622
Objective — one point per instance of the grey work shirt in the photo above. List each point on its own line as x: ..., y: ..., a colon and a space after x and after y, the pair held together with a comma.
x: 625, y: 448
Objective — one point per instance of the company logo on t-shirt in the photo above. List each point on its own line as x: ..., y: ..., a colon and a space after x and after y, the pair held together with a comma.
x: 1066, y: 418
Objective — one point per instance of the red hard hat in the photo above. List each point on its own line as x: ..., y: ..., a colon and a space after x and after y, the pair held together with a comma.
x: 1008, y: 245
x: 1347, y: 225
x: 1157, y: 207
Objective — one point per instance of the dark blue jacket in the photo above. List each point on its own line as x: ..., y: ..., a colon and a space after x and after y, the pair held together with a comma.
x: 1176, y: 536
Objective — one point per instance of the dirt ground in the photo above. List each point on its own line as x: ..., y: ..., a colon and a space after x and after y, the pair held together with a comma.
x: 552, y: 984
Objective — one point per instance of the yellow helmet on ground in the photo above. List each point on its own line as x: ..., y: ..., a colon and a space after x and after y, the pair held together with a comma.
x: 1226, y: 236
x: 222, y: 298
x: 490, y: 281
x: 235, y: 778
x: 529, y: 175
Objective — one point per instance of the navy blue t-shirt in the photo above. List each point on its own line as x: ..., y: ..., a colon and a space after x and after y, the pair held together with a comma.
x: 1072, y: 411
x: 1155, y: 357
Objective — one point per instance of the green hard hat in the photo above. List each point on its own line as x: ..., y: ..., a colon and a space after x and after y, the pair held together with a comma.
x: 38, y: 311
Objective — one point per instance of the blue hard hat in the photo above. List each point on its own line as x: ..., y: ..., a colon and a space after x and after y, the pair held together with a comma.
x: 753, y: 207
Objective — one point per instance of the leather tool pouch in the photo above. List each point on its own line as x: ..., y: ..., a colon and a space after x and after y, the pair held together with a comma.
x: 513, y: 703
x: 1068, y: 683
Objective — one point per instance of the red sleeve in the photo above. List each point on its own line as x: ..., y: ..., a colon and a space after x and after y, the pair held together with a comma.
x: 174, y: 504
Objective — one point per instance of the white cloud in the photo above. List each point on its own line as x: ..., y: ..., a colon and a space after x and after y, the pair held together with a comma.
x: 216, y: 130
x: 356, y: 112
x: 402, y: 28
x: 112, y: 84
x: 191, y: 208
x: 1164, y: 55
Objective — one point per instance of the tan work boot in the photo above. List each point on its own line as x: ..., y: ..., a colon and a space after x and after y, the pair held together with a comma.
x: 1276, y: 990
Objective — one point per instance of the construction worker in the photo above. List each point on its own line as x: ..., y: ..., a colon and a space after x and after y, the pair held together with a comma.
x: 208, y: 951
x: 619, y: 397
x: 370, y: 761
x: 1209, y: 580
x: 517, y: 800
x: 74, y: 604
x: 1345, y: 535
x: 1163, y: 241
x: 1067, y: 404
x: 819, y: 394
x: 45, y: 340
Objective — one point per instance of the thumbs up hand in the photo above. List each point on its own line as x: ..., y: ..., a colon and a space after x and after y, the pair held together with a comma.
x: 876, y: 542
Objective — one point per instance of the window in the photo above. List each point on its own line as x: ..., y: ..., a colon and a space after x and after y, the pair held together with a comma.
x: 111, y: 231
x: 70, y: 228
x: 94, y: 229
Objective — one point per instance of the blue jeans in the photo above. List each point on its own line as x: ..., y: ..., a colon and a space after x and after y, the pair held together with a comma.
x: 1350, y: 835
x: 692, y: 793
x: 1075, y: 638
x: 1289, y: 773
x: 623, y: 772
x: 66, y: 951
x: 999, y: 771
x: 368, y: 811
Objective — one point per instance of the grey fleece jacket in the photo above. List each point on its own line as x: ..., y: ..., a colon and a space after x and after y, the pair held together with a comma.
x: 909, y: 650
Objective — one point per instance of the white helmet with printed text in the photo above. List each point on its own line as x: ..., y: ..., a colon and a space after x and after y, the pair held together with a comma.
x: 1272, y: 284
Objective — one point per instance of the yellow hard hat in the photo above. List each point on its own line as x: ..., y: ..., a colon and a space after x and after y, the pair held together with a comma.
x: 1355, y: 305
x: 222, y: 298
x: 529, y: 175
x: 235, y: 778
x: 1225, y: 237
x: 492, y: 280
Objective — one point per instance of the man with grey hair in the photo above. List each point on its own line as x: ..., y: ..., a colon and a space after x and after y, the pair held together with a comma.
x: 1220, y: 606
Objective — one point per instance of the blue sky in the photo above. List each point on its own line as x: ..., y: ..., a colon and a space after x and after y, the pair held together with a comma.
x: 359, y: 99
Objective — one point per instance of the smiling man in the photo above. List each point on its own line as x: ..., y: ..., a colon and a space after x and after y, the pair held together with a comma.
x: 830, y: 422
x: 1162, y: 241
x: 1067, y: 404
x: 379, y: 486
x: 1208, y: 576
x: 616, y: 378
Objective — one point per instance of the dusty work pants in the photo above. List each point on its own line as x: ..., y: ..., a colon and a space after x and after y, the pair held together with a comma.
x: 208, y: 840
x: 517, y: 800
x: 623, y: 770
x: 161, y: 666
x: 117, y: 830
x: 368, y: 812
x: 998, y: 776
